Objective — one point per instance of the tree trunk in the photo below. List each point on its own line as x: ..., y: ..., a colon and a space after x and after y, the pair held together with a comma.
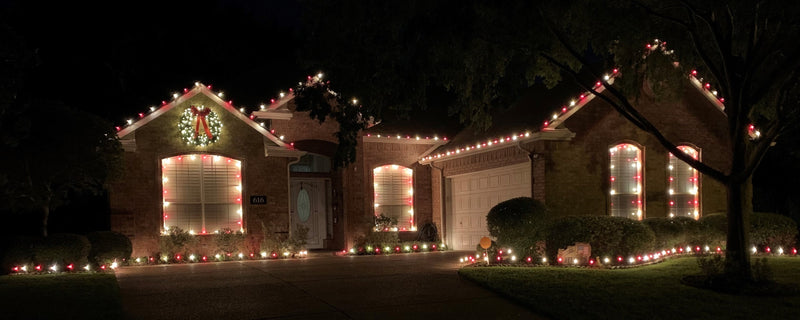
x: 737, y: 257
x: 45, y: 216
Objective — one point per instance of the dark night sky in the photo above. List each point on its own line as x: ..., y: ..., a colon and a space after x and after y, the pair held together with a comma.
x: 116, y: 60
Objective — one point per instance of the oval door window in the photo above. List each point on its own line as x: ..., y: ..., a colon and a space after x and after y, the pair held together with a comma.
x: 303, y: 205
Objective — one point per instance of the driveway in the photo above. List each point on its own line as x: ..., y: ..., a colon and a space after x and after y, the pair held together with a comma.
x: 322, y: 286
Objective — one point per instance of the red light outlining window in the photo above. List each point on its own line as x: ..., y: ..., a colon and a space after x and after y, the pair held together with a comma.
x: 202, y: 193
x: 683, y: 193
x: 625, y: 194
x: 393, y: 187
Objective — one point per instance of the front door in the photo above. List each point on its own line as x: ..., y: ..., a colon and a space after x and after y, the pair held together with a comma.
x: 309, y: 208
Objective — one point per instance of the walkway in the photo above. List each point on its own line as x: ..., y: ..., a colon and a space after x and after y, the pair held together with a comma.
x: 322, y: 286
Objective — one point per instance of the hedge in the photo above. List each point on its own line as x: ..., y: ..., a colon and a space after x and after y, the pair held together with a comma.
x: 62, y: 248
x: 108, y: 246
x: 518, y: 223
x: 674, y: 232
x: 608, y: 236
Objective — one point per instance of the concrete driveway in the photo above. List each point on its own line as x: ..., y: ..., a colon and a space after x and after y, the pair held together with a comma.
x: 322, y: 286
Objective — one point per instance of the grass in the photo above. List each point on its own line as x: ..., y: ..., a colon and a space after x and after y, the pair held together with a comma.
x: 650, y: 292
x: 60, y: 296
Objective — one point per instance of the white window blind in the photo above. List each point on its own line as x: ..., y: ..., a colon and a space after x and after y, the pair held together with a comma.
x: 626, y: 181
x: 394, y: 195
x: 683, y: 191
x: 202, y: 193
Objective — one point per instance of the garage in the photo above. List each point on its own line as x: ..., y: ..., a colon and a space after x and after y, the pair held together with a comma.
x: 472, y: 195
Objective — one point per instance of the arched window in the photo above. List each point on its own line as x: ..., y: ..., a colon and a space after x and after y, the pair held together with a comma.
x: 684, y: 183
x: 202, y: 193
x: 394, y: 198
x: 626, y: 181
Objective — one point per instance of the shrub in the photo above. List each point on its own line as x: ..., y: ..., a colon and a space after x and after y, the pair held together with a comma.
x: 428, y: 233
x: 274, y: 239
x: 711, y: 267
x: 518, y: 223
x: 772, y: 230
x: 16, y: 251
x: 607, y: 235
x: 299, y: 238
x: 229, y: 241
x: 766, y: 229
x: 108, y: 246
x: 62, y: 248
x: 177, y: 241
x: 673, y: 232
x: 713, y: 230
x: 379, y: 239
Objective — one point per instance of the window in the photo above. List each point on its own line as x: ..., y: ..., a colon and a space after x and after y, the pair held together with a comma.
x: 312, y: 163
x: 394, y: 197
x: 684, y: 192
x: 626, y: 181
x: 202, y: 193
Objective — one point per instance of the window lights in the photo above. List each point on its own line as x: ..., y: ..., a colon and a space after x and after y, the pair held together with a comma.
x: 202, y: 193
x: 683, y: 191
x: 626, y: 189
x: 393, y: 187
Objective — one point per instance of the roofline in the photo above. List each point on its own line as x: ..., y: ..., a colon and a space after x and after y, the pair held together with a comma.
x: 200, y: 88
x: 547, y: 135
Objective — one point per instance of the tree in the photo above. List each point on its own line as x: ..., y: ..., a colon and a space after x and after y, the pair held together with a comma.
x: 485, y: 53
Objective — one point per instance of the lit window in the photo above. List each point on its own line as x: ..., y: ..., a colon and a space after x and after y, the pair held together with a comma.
x: 202, y: 193
x: 683, y: 193
x: 394, y: 198
x: 626, y: 181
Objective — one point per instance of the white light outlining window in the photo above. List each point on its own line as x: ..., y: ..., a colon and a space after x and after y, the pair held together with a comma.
x: 202, y: 193
x: 683, y: 193
x: 394, y: 195
x: 626, y: 188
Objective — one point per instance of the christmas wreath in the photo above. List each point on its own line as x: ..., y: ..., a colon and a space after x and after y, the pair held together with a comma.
x: 199, y: 126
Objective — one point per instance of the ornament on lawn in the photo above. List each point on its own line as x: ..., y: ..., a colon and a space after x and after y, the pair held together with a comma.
x: 199, y: 126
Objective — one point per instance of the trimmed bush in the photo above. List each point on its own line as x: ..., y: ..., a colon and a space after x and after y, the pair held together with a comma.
x: 673, y: 232
x: 15, y: 251
x: 608, y: 236
x: 772, y: 230
x: 518, y: 223
x: 229, y: 241
x: 62, y: 248
x: 766, y: 230
x: 108, y: 246
x: 177, y: 241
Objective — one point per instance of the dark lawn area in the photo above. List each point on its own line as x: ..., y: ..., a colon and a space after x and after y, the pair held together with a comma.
x: 60, y: 296
x: 649, y: 292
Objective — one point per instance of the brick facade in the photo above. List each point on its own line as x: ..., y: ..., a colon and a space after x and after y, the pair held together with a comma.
x: 136, y: 199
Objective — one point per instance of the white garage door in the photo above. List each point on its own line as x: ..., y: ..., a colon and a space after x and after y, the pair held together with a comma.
x: 474, y: 194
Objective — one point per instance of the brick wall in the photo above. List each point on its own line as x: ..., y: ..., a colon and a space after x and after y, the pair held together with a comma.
x: 136, y: 201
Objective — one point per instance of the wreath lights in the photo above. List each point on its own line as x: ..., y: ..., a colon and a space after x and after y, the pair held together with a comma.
x: 199, y: 126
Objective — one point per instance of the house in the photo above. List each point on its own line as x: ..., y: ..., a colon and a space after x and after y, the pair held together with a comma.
x: 200, y: 164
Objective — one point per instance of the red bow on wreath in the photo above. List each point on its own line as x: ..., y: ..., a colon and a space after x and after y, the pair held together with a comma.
x: 201, y: 117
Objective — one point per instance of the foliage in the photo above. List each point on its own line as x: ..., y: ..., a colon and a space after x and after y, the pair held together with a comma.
x: 762, y: 272
x: 15, y: 249
x: 229, y: 241
x: 192, y: 129
x: 176, y: 241
x: 108, y: 246
x: 378, y: 239
x: 713, y: 228
x: 428, y: 232
x: 299, y: 238
x: 772, y: 230
x: 608, y: 236
x: 673, y: 232
x: 518, y: 223
x: 274, y: 239
x: 383, y: 222
x: 711, y: 267
x: 62, y: 248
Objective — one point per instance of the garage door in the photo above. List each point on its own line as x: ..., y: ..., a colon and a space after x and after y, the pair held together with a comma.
x: 474, y: 194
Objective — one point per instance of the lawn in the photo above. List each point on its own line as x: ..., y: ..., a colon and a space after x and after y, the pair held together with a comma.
x: 649, y: 292
x: 60, y: 296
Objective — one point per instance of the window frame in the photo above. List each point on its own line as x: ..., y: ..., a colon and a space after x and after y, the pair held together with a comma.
x: 408, y: 173
x: 672, y: 195
x: 613, y: 193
